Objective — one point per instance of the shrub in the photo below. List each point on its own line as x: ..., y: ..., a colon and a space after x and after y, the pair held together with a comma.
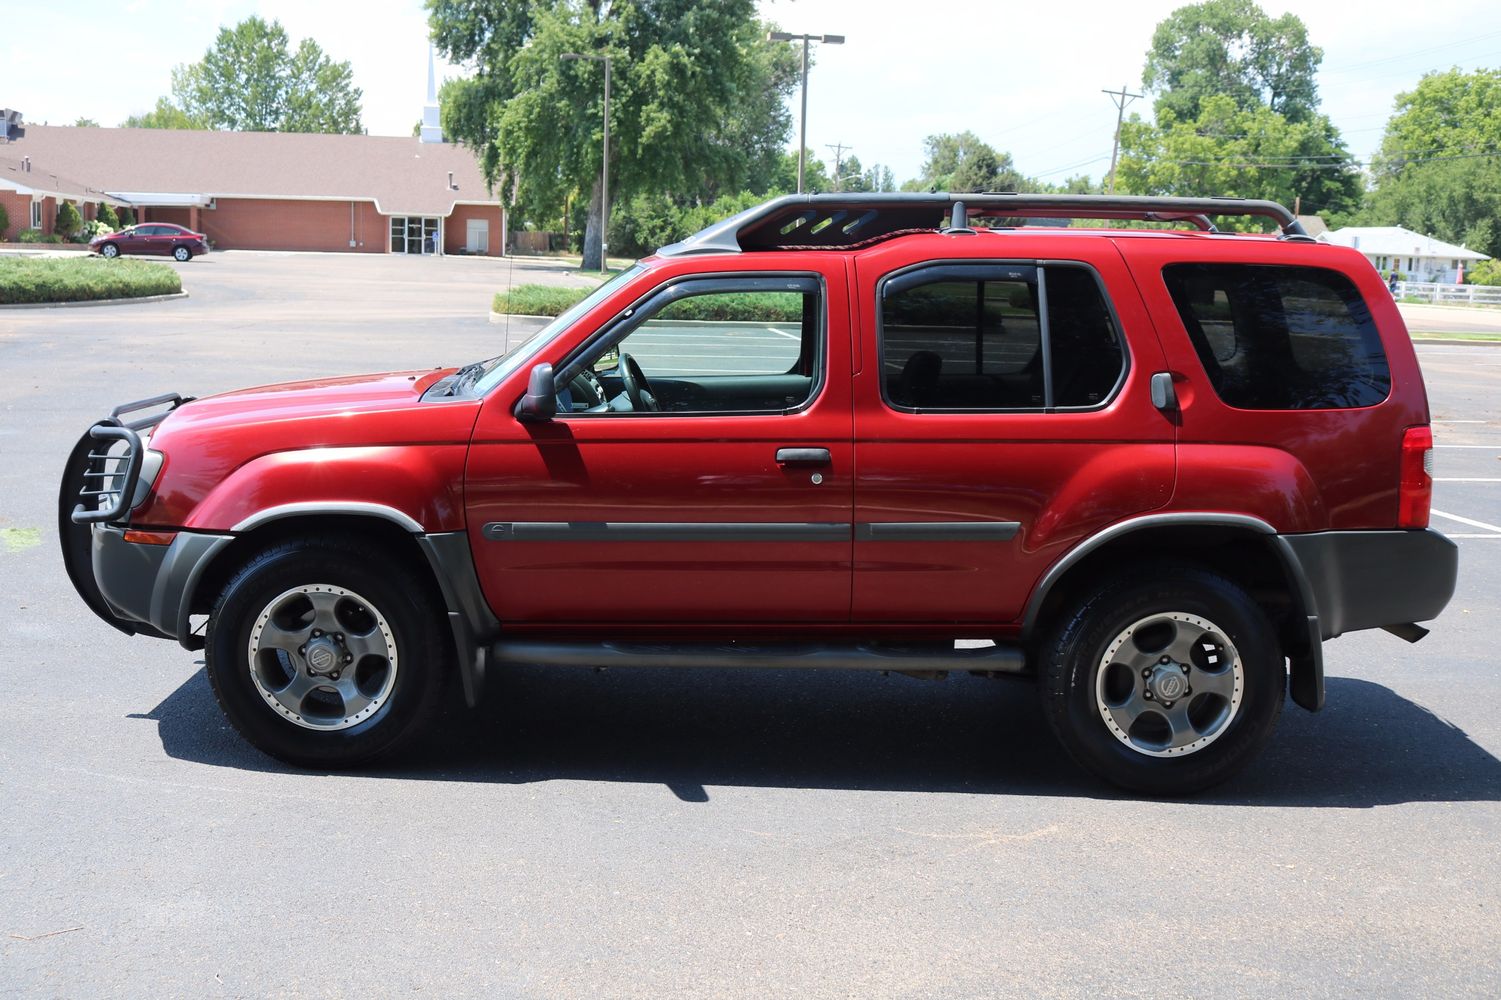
x: 95, y: 227
x: 765, y: 307
x: 127, y: 217
x: 35, y: 236
x: 4, y: 221
x: 106, y: 215
x: 68, y: 220
x: 1486, y: 272
x: 82, y: 279
x: 538, y: 300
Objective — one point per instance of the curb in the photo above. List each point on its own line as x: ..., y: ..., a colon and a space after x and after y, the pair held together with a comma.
x: 1450, y: 342
x: 130, y: 301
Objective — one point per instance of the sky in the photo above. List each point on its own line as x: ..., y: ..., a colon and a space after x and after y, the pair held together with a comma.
x: 1027, y: 78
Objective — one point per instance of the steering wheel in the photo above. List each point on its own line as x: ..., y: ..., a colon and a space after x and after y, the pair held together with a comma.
x: 637, y: 388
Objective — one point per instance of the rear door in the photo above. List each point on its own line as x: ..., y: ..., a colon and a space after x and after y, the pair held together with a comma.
x: 1002, y: 413
x: 712, y: 486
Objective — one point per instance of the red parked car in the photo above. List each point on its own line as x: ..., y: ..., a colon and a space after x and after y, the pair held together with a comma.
x: 1156, y: 470
x: 164, y: 239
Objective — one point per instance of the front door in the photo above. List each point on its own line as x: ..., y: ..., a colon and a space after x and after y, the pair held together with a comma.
x: 1002, y: 420
x: 699, y: 470
x: 477, y: 235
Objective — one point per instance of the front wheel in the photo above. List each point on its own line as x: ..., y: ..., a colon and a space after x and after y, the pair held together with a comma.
x: 182, y: 254
x: 1164, y: 681
x: 109, y: 251
x: 322, y: 661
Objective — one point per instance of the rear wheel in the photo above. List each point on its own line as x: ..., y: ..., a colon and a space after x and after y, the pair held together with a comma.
x: 1166, y: 681
x: 320, y: 659
x: 181, y: 254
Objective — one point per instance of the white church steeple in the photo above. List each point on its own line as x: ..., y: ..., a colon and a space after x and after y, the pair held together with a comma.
x: 432, y: 131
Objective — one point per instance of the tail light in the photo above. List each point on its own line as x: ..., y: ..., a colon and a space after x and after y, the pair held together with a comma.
x: 1415, y: 493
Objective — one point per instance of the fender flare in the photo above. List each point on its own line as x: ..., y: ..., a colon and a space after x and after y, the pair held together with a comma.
x: 1307, y: 674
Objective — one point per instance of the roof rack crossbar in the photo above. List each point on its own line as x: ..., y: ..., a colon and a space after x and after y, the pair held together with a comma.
x: 760, y: 228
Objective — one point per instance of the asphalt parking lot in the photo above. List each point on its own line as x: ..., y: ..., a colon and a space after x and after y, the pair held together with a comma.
x: 695, y: 833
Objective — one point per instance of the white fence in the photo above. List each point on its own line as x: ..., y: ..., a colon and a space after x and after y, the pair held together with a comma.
x: 1451, y: 295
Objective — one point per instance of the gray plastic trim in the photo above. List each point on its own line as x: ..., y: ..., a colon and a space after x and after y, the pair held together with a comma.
x: 666, y: 531
x: 474, y: 625
x: 937, y: 531
x: 1002, y: 659
x: 260, y: 517
x: 1180, y: 519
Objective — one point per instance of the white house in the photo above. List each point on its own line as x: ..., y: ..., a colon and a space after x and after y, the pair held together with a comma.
x: 1415, y: 256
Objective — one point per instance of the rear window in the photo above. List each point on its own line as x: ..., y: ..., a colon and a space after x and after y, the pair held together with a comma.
x: 1281, y: 338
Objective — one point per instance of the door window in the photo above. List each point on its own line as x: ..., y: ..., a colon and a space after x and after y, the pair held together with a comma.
x: 993, y: 337
x: 707, y: 346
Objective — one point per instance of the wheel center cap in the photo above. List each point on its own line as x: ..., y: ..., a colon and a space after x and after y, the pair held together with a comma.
x: 322, y: 656
x: 1168, y: 682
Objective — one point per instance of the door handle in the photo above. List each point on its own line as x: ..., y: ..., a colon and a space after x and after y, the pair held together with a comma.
x: 803, y: 456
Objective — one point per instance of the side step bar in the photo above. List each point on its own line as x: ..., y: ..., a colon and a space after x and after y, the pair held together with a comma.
x: 932, y: 657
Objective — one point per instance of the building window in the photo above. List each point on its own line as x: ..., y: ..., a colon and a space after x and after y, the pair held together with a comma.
x: 36, y: 215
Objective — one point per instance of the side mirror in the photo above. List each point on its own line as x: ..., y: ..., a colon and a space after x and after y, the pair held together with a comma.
x: 541, y: 400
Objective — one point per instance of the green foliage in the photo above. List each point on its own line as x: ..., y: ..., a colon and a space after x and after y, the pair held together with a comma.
x: 1486, y: 272
x: 1449, y: 114
x: 92, y: 228
x: 164, y: 115
x: 649, y: 221
x: 537, y: 300
x: 37, y: 279
x: 964, y: 162
x: 35, y: 236
x: 127, y: 217
x: 107, y: 215
x: 68, y: 220
x: 1458, y: 201
x: 696, y: 105
x: 251, y: 80
x: 4, y: 221
x: 1231, y: 48
x: 767, y: 307
x: 85, y: 123
x: 1230, y: 151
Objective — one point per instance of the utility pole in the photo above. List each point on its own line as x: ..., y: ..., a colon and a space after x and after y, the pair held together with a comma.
x: 802, y: 128
x: 838, y: 148
x: 1120, y: 99
x: 604, y: 207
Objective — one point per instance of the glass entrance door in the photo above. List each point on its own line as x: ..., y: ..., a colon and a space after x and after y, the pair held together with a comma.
x: 415, y: 234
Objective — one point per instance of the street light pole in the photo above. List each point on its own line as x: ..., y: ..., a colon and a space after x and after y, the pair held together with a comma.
x: 802, y: 128
x: 604, y: 195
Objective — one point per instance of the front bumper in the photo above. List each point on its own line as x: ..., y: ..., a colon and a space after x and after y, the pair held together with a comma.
x: 148, y: 589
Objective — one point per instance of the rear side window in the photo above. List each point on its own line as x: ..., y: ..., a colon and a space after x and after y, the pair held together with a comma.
x: 997, y: 337
x: 1281, y: 338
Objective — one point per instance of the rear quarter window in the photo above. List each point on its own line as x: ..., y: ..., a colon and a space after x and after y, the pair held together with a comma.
x: 1281, y: 338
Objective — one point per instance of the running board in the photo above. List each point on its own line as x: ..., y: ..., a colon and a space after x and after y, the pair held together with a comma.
x: 831, y: 656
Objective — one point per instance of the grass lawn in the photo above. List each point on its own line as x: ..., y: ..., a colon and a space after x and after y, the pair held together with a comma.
x: 82, y: 279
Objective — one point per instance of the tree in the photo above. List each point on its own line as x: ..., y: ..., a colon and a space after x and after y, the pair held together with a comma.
x: 251, y: 80
x: 68, y: 220
x: 127, y: 216
x: 164, y: 115
x: 85, y: 123
x: 1458, y: 201
x: 106, y: 215
x: 696, y: 106
x: 1448, y: 114
x: 964, y: 162
x: 1232, y: 48
x: 1239, y: 153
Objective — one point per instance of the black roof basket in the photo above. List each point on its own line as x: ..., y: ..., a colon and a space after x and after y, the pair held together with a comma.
x: 834, y: 221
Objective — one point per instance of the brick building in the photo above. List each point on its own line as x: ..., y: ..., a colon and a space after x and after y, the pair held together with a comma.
x: 261, y: 190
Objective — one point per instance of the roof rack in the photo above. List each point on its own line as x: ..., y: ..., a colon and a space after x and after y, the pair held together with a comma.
x: 846, y: 221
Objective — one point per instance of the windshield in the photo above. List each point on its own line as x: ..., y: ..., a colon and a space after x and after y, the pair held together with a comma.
x: 504, y: 366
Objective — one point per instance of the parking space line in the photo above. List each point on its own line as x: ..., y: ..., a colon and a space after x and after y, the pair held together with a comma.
x: 1478, y: 447
x: 1466, y: 520
x: 1458, y: 535
x: 1467, y: 480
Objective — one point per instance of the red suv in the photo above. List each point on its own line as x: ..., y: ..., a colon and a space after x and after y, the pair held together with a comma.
x: 163, y: 239
x: 1151, y: 470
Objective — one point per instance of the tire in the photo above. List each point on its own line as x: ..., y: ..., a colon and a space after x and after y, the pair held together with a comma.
x: 373, y: 662
x: 109, y: 251
x: 1112, y: 675
x: 182, y: 254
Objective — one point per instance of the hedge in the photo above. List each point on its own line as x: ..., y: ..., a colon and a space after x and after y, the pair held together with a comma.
x: 43, y: 279
x: 756, y: 307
